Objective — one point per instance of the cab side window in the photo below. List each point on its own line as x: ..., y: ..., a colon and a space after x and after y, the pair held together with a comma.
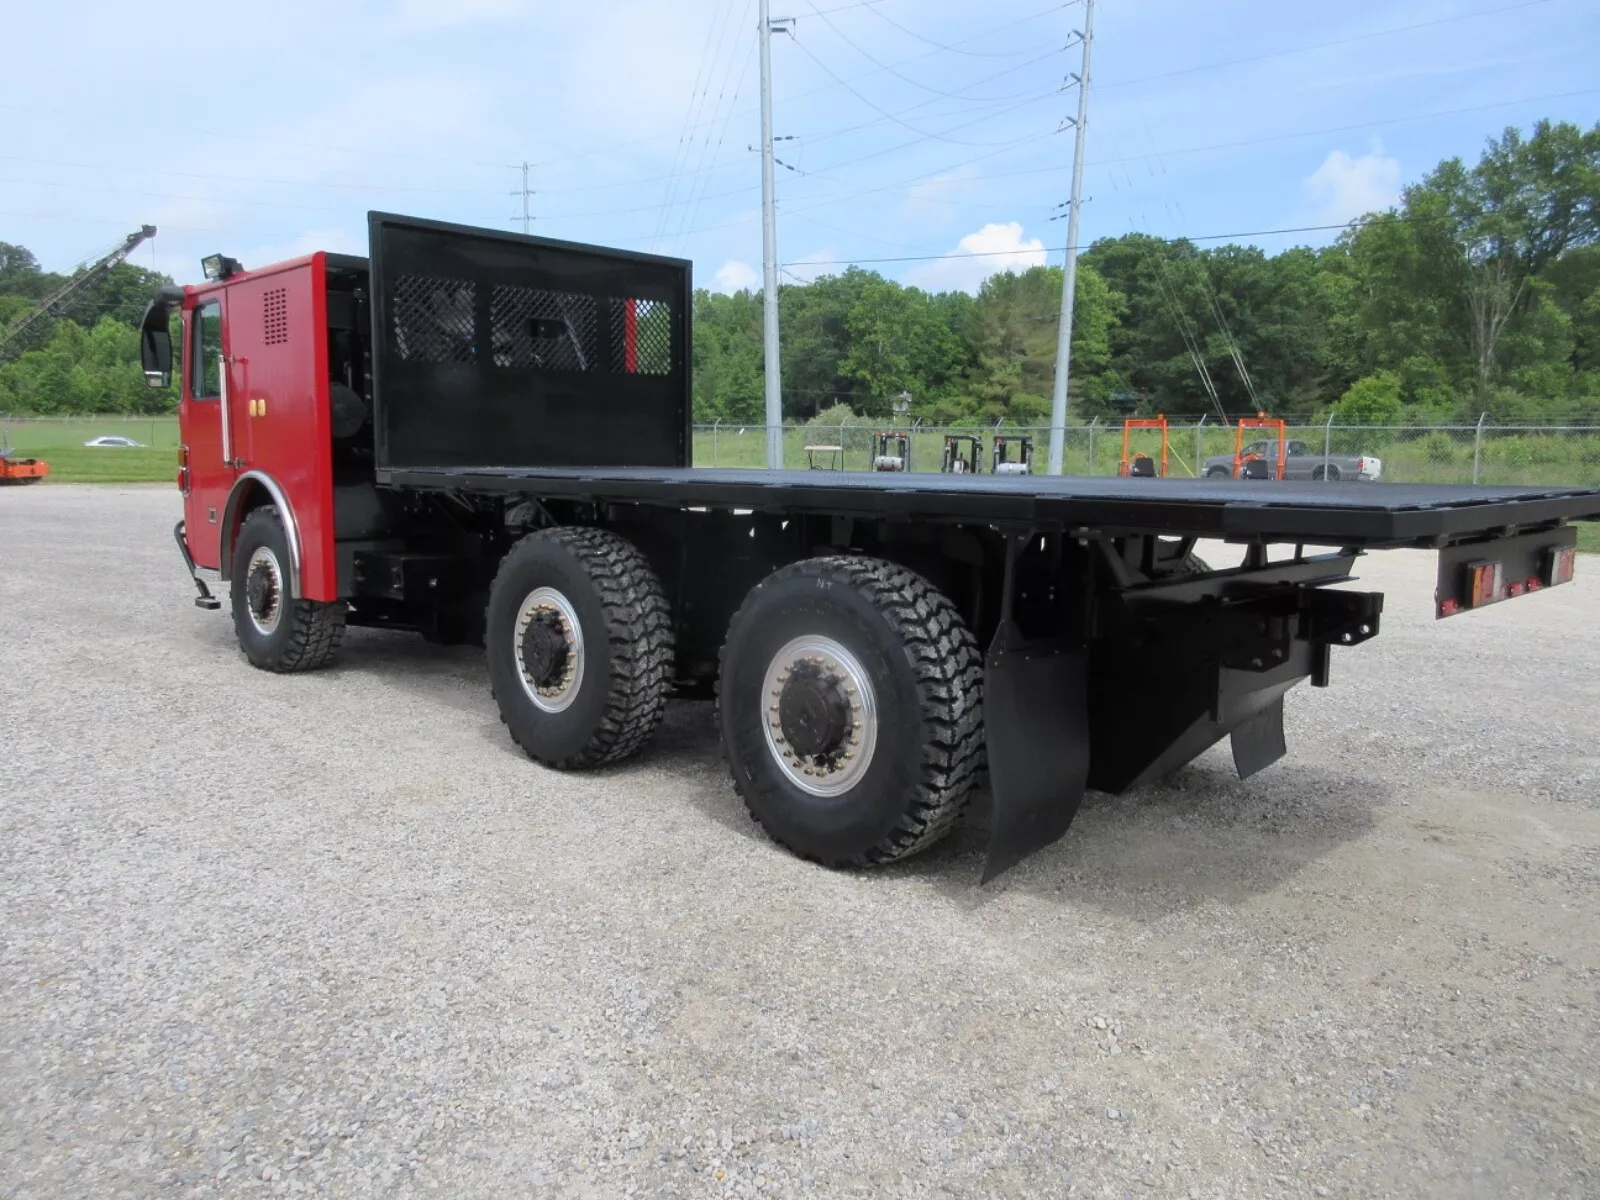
x: 205, y: 352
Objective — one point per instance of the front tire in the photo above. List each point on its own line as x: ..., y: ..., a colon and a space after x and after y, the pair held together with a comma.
x: 277, y: 630
x: 1217, y: 472
x: 850, y: 705
x: 580, y: 647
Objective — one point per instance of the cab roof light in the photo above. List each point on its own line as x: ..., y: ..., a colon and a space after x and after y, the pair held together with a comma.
x: 219, y: 266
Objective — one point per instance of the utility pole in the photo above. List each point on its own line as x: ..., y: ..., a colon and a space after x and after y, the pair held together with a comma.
x: 769, y: 253
x: 1058, y: 397
x: 527, y: 215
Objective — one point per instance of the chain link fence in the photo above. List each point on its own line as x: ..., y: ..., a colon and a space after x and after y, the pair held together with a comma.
x: 49, y: 433
x: 1483, y: 452
x: 1479, y: 453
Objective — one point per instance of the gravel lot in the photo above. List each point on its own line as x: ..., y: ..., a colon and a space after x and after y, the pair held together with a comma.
x: 333, y: 934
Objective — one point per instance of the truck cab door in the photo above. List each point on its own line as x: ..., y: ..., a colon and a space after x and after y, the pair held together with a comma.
x: 207, y: 457
x: 1298, y: 464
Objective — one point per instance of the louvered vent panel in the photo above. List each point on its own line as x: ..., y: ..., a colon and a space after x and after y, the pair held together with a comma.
x: 275, y: 316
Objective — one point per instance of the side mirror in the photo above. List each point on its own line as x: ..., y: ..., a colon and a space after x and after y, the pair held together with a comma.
x: 155, y: 353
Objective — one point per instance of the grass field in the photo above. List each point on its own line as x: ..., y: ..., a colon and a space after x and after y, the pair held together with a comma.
x: 61, y: 444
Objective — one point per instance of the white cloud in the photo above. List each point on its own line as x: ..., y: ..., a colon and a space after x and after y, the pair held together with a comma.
x: 995, y: 247
x: 735, y: 275
x: 1344, y: 188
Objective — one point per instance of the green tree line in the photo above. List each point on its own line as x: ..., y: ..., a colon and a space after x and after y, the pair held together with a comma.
x: 1479, y: 291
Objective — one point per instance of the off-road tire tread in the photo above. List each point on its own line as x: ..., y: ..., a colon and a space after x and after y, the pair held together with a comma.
x: 1193, y: 564
x: 949, y: 672
x: 316, y: 627
x: 639, y: 629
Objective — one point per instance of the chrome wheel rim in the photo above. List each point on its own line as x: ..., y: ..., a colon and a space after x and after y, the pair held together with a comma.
x: 548, y: 650
x: 263, y: 590
x: 820, y: 715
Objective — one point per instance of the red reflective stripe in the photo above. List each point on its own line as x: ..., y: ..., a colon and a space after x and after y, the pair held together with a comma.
x: 630, y: 335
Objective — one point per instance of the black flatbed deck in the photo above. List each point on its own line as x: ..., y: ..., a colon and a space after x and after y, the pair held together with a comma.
x: 1348, y: 514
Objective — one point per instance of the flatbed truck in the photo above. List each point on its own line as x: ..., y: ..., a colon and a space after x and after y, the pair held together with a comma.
x: 485, y: 437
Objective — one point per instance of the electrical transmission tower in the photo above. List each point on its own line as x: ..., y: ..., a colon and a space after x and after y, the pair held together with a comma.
x: 527, y: 215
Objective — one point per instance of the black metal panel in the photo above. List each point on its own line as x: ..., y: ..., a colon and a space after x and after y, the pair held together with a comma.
x: 1317, y: 513
x: 1036, y: 727
x: 500, y: 350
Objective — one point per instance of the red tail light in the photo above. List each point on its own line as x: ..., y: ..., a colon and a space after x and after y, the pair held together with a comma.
x: 1562, y: 565
x: 1486, y: 583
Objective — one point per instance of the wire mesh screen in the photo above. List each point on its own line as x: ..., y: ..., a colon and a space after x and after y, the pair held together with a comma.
x: 434, y: 319
x: 534, y: 327
x: 653, y: 337
x: 505, y: 350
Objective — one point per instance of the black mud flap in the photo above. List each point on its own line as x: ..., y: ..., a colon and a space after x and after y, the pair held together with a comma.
x: 1036, y: 726
x: 1258, y: 743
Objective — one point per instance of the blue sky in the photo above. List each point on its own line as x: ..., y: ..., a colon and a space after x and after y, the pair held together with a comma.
x: 916, y: 128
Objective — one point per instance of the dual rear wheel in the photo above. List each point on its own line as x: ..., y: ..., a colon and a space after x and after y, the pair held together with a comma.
x: 849, y: 698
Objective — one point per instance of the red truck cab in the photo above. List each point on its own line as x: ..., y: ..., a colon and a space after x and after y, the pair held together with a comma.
x: 263, y: 354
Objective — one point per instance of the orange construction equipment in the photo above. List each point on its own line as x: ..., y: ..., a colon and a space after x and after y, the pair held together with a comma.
x: 1242, y: 462
x: 22, y: 470
x: 19, y: 470
x: 1141, y: 464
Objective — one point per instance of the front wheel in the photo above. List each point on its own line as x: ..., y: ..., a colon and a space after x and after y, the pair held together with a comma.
x: 850, y: 705
x: 277, y: 630
x: 1217, y: 472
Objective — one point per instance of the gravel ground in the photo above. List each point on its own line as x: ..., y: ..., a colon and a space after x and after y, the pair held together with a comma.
x: 334, y: 934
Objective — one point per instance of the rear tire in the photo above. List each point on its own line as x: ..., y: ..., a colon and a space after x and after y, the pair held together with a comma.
x: 277, y: 630
x: 580, y: 647
x: 1330, y: 473
x: 850, y: 705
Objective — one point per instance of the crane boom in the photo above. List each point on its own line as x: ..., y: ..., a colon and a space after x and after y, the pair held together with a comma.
x: 10, y: 338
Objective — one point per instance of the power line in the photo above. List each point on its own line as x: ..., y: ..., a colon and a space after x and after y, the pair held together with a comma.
x: 1193, y: 237
x: 705, y: 69
x: 1186, y: 150
x: 1031, y: 17
x: 699, y: 180
x: 879, y: 63
x: 955, y: 49
x: 1360, y: 37
x: 875, y: 107
x: 692, y: 215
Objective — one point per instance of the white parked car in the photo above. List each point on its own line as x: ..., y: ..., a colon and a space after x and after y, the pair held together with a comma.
x: 114, y: 441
